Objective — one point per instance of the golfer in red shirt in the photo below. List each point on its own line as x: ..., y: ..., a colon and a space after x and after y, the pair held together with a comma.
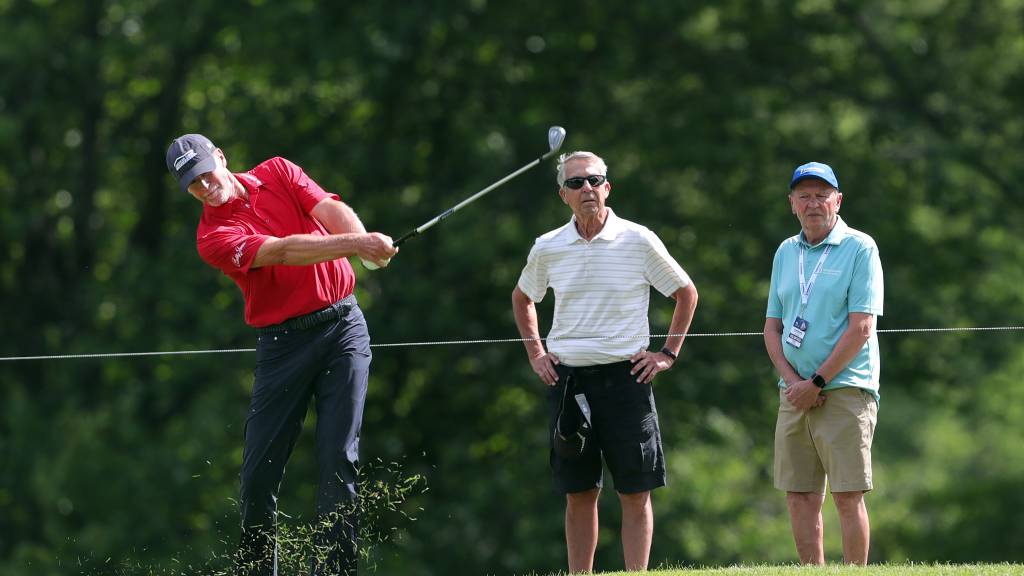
x: 285, y: 242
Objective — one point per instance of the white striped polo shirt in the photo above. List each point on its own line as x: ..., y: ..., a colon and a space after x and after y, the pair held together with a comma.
x: 602, y: 288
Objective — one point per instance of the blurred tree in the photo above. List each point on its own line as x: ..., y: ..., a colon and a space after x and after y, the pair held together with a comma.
x: 701, y: 108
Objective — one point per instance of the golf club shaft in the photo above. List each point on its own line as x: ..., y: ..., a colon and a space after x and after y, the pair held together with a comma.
x: 453, y: 209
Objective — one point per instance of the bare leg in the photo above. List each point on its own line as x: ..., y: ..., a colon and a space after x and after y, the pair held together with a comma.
x: 637, y: 529
x: 581, y: 529
x: 808, y: 527
x: 853, y: 520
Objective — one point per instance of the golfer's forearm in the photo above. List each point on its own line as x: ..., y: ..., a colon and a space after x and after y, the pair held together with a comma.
x: 682, y: 316
x: 306, y: 249
x: 773, y: 344
x: 337, y: 217
x: 850, y: 343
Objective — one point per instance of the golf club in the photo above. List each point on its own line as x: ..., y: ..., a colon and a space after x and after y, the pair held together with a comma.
x: 556, y: 135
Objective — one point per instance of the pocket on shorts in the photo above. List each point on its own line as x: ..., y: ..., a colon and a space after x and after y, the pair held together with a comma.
x: 869, y: 416
x: 649, y: 454
x: 638, y: 452
x: 784, y: 404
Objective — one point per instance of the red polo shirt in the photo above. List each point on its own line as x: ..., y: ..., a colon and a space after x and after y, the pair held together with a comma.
x: 281, y: 198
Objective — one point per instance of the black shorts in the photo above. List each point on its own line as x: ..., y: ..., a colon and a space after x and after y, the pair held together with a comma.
x: 625, y: 431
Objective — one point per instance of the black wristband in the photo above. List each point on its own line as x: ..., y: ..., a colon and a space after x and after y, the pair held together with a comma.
x: 668, y: 353
x: 818, y: 380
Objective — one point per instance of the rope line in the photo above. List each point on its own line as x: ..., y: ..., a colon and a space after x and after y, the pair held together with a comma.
x: 484, y: 341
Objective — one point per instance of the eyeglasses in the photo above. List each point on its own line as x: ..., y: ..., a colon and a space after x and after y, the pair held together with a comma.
x: 577, y: 182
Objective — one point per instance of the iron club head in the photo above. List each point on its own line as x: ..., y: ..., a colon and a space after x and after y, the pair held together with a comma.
x: 556, y: 135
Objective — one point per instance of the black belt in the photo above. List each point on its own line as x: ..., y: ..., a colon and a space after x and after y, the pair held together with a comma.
x: 574, y: 374
x: 600, y: 368
x: 338, y: 310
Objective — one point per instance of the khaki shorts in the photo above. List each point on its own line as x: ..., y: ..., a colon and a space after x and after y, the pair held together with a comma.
x: 832, y: 441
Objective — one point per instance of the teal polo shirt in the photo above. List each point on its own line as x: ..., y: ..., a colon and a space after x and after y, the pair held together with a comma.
x: 850, y: 281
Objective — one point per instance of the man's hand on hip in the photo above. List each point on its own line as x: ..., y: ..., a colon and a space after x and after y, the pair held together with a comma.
x: 544, y: 366
x: 646, y: 365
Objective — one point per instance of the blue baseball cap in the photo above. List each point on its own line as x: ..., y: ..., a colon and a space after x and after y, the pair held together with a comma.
x: 814, y: 170
x: 189, y: 156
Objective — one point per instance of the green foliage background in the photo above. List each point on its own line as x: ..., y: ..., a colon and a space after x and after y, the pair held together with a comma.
x: 702, y: 110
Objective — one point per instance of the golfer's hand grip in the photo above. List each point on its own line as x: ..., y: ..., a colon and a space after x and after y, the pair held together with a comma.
x: 405, y: 237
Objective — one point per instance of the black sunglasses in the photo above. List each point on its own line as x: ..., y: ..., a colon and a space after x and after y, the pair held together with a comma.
x: 577, y: 182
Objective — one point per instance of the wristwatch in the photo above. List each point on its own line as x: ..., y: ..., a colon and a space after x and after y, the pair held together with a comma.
x: 818, y: 380
x: 668, y: 353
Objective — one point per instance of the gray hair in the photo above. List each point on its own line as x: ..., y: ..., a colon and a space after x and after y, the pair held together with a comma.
x: 576, y: 156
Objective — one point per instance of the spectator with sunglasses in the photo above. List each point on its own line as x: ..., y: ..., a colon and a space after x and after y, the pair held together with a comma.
x: 285, y: 242
x: 601, y: 268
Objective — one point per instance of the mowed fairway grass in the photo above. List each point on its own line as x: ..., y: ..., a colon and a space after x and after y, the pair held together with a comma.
x: 840, y: 570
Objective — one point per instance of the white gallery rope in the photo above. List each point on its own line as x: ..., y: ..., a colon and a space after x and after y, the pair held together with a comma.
x: 486, y: 341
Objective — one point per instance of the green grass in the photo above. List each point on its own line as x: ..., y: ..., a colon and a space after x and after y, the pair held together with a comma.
x: 840, y: 570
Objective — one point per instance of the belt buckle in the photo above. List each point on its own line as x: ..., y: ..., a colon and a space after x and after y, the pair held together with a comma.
x: 339, y: 309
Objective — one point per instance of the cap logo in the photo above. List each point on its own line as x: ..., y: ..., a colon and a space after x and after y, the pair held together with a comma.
x: 181, y: 160
x: 814, y: 169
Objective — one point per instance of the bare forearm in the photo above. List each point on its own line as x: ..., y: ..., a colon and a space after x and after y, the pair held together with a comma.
x: 525, y: 314
x: 543, y: 363
x: 850, y: 343
x: 682, y: 316
x: 306, y: 249
x: 773, y: 344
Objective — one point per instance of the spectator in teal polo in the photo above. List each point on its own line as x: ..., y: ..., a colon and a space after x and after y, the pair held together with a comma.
x: 826, y: 291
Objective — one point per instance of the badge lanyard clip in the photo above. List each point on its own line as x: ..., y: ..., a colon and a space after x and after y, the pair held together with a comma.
x: 808, y: 285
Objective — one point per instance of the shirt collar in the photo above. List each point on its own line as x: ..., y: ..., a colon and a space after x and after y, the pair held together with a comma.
x: 612, y: 227
x: 835, y: 236
x: 251, y: 183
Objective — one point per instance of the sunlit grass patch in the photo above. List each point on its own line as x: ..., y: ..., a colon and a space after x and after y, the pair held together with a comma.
x: 1004, y: 569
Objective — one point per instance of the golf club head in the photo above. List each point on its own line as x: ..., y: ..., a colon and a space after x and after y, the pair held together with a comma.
x: 556, y: 135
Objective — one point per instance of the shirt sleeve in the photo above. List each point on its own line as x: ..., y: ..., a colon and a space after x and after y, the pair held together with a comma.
x: 660, y: 269
x: 774, y: 301
x: 231, y: 249
x: 294, y: 178
x: 534, y: 279
x: 867, y: 290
